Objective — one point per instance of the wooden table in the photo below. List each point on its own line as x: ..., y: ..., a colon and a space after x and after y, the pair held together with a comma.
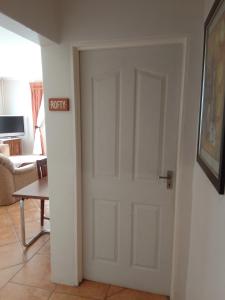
x: 35, y: 190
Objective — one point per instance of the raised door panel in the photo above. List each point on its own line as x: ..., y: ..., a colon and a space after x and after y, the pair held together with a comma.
x: 145, y: 236
x: 149, y: 124
x: 105, y: 125
x: 105, y: 230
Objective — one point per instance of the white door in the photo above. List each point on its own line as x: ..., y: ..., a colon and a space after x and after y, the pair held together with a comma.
x: 130, y: 104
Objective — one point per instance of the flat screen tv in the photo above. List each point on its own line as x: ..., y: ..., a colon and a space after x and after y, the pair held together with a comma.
x: 11, y: 126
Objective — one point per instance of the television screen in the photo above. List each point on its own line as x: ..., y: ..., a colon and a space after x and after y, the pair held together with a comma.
x: 11, y: 126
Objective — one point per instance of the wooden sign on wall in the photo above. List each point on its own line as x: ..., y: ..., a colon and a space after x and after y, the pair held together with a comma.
x: 58, y: 104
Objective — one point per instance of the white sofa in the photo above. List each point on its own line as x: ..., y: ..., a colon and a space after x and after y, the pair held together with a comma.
x: 13, y: 178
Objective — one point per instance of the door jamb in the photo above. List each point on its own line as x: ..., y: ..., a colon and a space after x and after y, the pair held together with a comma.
x: 97, y: 45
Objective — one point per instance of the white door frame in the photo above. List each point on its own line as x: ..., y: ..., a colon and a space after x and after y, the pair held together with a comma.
x: 95, y: 45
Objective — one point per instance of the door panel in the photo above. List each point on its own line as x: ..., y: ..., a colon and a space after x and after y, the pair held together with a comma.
x: 130, y: 104
x: 105, y: 116
x: 105, y: 235
x: 145, y: 243
x: 149, y: 121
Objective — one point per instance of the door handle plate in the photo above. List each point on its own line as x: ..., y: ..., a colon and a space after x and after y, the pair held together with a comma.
x: 169, y: 179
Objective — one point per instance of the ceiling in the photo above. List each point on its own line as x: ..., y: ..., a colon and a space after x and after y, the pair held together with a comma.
x: 19, y: 58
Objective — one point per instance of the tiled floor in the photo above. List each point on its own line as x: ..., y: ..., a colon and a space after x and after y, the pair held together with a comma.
x: 25, y: 274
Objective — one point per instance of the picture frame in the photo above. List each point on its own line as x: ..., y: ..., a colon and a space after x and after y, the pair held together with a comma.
x: 211, y: 134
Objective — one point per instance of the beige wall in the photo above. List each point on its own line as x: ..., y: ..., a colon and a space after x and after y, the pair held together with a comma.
x: 42, y: 16
x: 86, y: 20
x: 206, y: 274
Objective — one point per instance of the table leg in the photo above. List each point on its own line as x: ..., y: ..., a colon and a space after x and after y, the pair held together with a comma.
x: 22, y: 222
x: 23, y: 229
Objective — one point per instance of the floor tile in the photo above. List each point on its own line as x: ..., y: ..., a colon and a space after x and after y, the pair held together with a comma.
x: 114, y: 290
x: 30, y: 215
x: 12, y: 207
x: 7, y: 274
x: 5, y: 220
x: 89, y: 289
x: 128, y: 294
x: 7, y: 235
x: 19, y: 292
x: 59, y: 296
x: 11, y: 255
x: 29, y: 252
x: 36, y: 273
x: 37, y: 203
x: 45, y: 250
x: 3, y: 210
x: 25, y: 272
x: 32, y: 228
x: 28, y: 204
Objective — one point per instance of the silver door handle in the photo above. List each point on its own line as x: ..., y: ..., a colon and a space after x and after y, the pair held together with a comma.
x: 169, y: 179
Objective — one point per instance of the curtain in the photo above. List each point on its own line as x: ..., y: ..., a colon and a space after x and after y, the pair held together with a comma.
x: 39, y: 143
x: 1, y: 97
x: 38, y: 116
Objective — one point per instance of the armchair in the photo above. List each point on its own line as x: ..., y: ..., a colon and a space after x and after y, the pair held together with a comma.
x: 13, y: 178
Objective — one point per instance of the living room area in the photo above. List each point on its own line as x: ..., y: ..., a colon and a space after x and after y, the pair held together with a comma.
x: 22, y: 144
x: 22, y: 119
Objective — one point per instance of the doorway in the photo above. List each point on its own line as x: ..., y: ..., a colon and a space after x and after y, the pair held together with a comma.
x: 20, y: 147
x: 130, y: 103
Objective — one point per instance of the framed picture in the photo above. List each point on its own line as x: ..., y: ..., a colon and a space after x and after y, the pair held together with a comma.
x: 211, y: 146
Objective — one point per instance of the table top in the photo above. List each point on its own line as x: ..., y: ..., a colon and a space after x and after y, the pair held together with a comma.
x: 36, y: 190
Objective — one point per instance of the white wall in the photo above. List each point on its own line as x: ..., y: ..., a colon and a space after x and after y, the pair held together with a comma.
x: 17, y: 101
x: 20, y: 62
x: 19, y: 58
x: 60, y: 132
x: 206, y: 274
x: 99, y: 20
